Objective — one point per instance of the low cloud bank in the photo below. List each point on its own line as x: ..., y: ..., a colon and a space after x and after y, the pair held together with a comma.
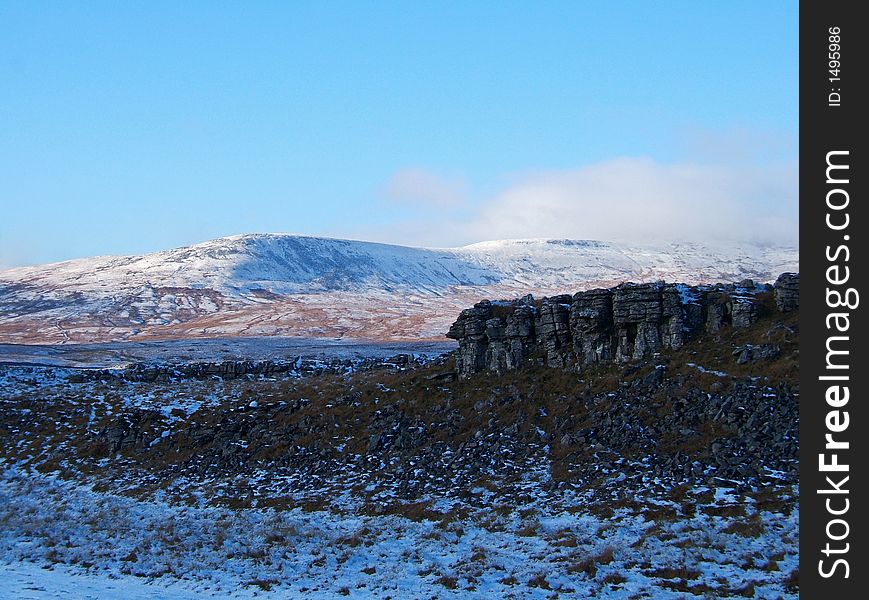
x: 627, y: 199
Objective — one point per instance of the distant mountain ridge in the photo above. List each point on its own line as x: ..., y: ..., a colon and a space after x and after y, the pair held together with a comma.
x: 281, y: 284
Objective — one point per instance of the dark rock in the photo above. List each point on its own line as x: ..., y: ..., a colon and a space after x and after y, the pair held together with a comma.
x: 743, y: 312
x: 787, y: 292
x: 751, y: 353
x: 591, y: 322
x: 552, y: 327
x: 622, y: 324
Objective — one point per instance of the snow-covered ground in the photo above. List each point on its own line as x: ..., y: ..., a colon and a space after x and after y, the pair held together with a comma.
x: 62, y: 540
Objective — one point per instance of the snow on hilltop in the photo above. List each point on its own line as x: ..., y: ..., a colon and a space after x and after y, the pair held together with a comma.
x: 289, y: 264
x: 281, y: 264
x: 268, y: 284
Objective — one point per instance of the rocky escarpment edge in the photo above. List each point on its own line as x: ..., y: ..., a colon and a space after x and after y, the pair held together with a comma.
x: 620, y: 324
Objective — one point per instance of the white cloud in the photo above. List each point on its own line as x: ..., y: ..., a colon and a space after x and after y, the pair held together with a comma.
x: 637, y: 198
x: 418, y: 186
x: 627, y: 199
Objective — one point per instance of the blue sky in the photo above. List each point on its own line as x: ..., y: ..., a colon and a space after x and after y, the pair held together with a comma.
x: 138, y: 126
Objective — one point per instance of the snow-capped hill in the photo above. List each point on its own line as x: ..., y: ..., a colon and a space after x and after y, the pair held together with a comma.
x: 277, y: 263
x: 553, y: 263
x: 302, y: 285
x: 298, y: 264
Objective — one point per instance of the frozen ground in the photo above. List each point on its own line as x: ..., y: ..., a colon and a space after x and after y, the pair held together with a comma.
x: 26, y: 581
x: 61, y: 540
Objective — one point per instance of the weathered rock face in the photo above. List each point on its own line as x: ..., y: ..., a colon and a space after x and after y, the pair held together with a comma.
x: 628, y: 322
x: 591, y: 324
x: 787, y: 292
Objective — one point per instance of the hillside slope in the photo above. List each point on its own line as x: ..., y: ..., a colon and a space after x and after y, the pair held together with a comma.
x: 278, y: 284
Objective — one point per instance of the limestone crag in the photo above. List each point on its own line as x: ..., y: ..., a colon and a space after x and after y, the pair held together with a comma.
x: 787, y: 292
x: 628, y: 322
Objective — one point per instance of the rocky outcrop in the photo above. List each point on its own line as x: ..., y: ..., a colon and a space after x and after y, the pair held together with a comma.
x: 628, y: 322
x: 750, y: 353
x: 236, y: 369
x: 787, y: 292
x: 681, y: 431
